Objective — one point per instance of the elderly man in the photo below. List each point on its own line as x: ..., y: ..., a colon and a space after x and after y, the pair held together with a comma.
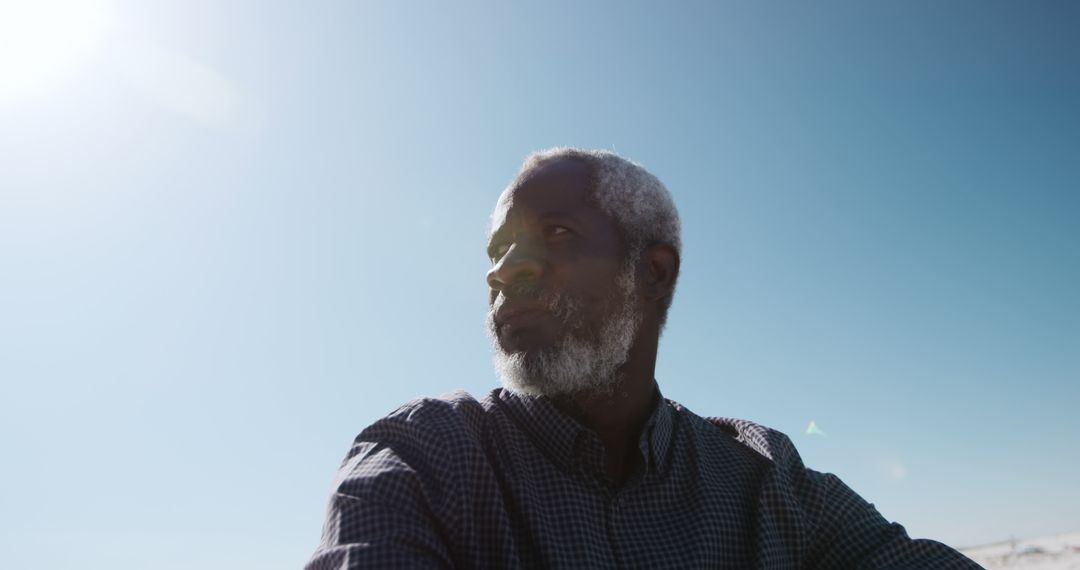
x: 578, y: 461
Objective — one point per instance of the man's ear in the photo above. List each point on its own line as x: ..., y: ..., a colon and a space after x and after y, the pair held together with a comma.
x: 660, y: 265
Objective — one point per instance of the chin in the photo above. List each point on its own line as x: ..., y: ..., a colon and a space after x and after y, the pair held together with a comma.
x: 572, y: 366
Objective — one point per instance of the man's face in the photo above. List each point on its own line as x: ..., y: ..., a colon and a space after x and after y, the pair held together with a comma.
x: 563, y: 304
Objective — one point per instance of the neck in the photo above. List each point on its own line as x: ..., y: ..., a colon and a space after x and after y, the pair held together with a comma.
x: 618, y: 417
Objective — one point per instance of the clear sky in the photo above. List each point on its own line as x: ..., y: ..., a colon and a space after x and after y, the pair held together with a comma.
x: 233, y: 234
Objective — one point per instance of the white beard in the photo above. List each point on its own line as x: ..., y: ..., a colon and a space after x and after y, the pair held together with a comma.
x: 576, y: 364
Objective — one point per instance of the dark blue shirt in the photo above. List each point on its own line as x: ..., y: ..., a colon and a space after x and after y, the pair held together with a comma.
x: 510, y: 482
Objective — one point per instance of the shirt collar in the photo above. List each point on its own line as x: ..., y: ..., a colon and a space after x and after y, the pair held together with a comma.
x: 658, y: 431
x: 557, y: 434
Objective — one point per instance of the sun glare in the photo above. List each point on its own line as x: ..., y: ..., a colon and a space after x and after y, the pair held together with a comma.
x: 42, y: 40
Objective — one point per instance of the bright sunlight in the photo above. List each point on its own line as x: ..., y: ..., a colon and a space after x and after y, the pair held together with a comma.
x: 42, y: 40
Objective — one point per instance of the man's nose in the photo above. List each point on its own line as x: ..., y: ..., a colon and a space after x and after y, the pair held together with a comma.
x: 517, y: 265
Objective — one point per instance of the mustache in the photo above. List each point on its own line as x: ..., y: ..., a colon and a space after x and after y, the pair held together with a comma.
x: 524, y: 290
x: 526, y: 293
x: 566, y: 307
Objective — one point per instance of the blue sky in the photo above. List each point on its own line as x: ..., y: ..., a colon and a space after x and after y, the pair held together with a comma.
x: 233, y: 235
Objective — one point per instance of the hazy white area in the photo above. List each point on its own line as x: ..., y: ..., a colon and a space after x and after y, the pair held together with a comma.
x: 42, y: 41
x: 1057, y: 552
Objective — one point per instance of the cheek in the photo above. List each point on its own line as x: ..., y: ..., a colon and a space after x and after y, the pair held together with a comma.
x: 596, y: 288
x: 587, y: 284
x: 585, y: 306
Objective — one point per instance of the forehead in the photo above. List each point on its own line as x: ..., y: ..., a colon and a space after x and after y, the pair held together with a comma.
x: 558, y: 187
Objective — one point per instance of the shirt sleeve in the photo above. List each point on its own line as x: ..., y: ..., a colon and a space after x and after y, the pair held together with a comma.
x: 391, y: 498
x: 849, y: 532
x: 841, y: 529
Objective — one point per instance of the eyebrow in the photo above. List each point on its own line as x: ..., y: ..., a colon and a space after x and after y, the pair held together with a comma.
x: 559, y: 215
x: 556, y: 215
x: 495, y: 236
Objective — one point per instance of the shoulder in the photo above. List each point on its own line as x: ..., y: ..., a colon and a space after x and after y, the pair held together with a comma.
x: 450, y: 407
x: 431, y: 422
x: 430, y: 440
x: 764, y: 443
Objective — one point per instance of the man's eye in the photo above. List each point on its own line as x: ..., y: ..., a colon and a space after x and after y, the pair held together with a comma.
x: 499, y: 250
x: 558, y: 230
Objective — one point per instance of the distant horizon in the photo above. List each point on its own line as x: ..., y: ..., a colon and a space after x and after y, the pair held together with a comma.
x: 1021, y: 539
x: 1051, y: 552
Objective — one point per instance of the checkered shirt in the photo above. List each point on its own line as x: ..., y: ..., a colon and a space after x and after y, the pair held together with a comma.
x: 511, y: 482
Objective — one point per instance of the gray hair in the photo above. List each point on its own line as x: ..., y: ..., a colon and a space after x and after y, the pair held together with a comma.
x: 636, y: 199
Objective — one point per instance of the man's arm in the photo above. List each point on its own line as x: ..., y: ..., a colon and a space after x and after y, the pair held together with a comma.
x: 389, y: 502
x: 816, y: 519
x: 848, y: 532
x: 845, y: 531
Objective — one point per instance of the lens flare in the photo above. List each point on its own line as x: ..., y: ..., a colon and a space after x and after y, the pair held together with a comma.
x: 813, y: 429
